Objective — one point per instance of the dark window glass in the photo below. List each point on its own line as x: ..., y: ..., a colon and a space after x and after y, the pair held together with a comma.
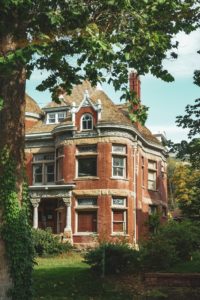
x: 87, y: 166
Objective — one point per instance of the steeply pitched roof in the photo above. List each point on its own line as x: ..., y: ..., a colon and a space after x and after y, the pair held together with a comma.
x: 31, y: 105
x: 112, y: 113
x: 76, y: 95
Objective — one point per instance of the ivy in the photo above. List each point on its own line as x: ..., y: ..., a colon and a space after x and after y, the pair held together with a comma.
x: 16, y: 230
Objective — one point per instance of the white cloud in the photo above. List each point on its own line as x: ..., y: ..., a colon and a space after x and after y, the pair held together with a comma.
x: 174, y: 133
x: 188, y: 60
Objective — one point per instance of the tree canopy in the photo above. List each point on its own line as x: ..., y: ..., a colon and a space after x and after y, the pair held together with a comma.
x: 78, y: 39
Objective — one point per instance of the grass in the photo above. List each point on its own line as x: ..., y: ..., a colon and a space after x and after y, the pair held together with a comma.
x: 67, y: 277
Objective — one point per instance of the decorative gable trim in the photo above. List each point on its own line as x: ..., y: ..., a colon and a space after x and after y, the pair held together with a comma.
x: 86, y: 102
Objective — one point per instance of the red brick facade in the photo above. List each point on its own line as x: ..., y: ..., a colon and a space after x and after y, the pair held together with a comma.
x: 112, y: 176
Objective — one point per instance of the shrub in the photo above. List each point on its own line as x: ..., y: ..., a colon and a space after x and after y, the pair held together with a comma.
x: 174, y: 242
x: 184, y: 236
x: 46, y: 244
x: 113, y: 258
x: 157, y: 254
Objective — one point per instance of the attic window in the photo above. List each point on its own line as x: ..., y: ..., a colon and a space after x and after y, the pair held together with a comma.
x: 87, y: 122
x: 56, y: 117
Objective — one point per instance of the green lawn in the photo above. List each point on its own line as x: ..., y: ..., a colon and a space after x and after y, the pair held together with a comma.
x: 67, y: 277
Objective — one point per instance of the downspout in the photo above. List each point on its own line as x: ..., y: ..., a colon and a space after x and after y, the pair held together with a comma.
x: 134, y: 194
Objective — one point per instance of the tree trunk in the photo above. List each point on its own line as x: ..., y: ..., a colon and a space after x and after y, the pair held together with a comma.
x: 12, y: 115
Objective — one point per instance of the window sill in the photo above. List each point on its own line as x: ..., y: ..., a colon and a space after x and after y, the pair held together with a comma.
x: 87, y: 177
x: 94, y: 234
x: 119, y: 234
x: 87, y: 207
x: 119, y: 178
x: 119, y: 207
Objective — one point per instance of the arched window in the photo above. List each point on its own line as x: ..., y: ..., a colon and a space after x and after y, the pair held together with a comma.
x: 86, y: 122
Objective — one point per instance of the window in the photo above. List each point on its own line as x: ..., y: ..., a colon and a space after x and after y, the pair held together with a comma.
x: 119, y: 161
x: 119, y: 215
x: 87, y: 122
x: 43, y: 168
x: 87, y: 201
x: 153, y: 209
x: 52, y: 118
x: 56, y: 117
x: 87, y: 166
x: 61, y: 116
x: 152, y: 175
x: 142, y: 173
x: 87, y: 160
x: 86, y: 215
x: 59, y: 163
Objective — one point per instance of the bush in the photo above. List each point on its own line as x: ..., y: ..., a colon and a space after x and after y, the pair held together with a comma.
x: 174, y: 243
x: 184, y: 236
x: 157, y: 254
x: 113, y: 258
x: 46, y: 244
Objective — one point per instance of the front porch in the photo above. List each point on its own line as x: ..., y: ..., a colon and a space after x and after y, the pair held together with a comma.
x: 52, y: 208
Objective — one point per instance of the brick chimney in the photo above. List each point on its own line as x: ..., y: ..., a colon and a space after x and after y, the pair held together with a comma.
x: 134, y: 83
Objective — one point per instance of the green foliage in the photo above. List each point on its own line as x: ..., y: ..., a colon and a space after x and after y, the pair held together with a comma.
x: 189, y: 150
x: 153, y: 222
x: 46, y: 244
x: 186, y: 182
x: 16, y: 231
x: 113, y: 258
x: 175, y: 242
x: 77, y: 40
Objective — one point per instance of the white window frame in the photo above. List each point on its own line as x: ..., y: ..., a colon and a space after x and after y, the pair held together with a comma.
x: 82, y: 120
x: 49, y: 118
x: 119, y: 207
x: 152, y: 168
x: 119, y: 151
x: 57, y: 119
x: 44, y: 162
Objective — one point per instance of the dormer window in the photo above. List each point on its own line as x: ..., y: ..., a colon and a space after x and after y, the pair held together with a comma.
x: 52, y: 118
x: 61, y: 116
x: 87, y: 122
x: 57, y: 117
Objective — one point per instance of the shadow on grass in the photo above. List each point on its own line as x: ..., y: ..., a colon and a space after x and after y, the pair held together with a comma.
x: 75, y: 283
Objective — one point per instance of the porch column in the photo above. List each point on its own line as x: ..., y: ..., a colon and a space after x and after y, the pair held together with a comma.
x: 68, y: 227
x: 35, y: 202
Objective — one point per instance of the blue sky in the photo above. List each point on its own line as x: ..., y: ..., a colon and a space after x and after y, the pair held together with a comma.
x: 165, y: 100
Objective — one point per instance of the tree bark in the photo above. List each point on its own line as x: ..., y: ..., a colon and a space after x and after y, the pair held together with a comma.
x: 12, y: 116
x: 12, y: 130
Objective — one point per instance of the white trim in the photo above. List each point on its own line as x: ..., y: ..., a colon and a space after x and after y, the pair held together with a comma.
x: 86, y: 98
x: 133, y: 130
x: 56, y: 113
x: 32, y: 115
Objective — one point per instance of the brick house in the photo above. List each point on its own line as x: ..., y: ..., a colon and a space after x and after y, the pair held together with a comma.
x: 92, y: 173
